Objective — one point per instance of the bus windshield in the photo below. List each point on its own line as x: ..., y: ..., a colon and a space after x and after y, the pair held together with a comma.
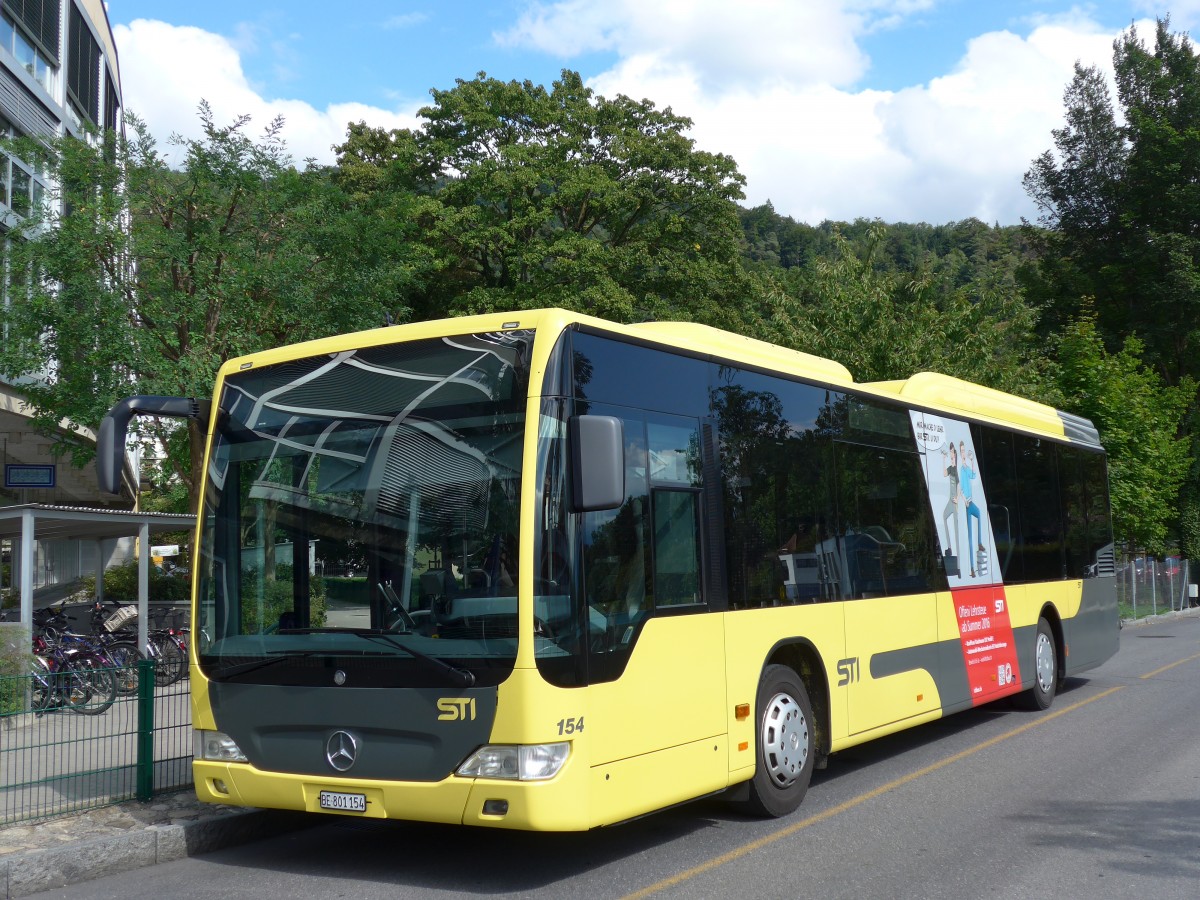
x: 370, y: 494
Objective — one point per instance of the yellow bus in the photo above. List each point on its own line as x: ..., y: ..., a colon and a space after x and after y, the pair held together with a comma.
x: 542, y: 571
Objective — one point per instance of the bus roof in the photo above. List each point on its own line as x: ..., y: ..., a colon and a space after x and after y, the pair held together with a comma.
x: 925, y: 389
x: 944, y: 392
x: 715, y: 342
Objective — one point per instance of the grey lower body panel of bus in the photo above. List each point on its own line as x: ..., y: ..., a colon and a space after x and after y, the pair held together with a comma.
x: 399, y: 734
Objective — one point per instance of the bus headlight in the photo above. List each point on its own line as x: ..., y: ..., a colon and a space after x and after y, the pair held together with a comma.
x: 532, y: 762
x: 217, y: 746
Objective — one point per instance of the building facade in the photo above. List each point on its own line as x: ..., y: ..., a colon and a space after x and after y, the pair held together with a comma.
x: 58, y: 75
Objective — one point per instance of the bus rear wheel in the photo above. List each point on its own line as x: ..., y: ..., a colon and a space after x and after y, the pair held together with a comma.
x: 1045, y: 670
x: 786, y: 744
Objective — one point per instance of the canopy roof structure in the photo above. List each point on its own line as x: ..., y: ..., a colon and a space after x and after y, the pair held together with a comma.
x: 34, y: 522
x: 57, y: 523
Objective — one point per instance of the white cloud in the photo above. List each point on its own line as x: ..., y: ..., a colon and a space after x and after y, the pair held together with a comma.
x: 725, y: 45
x: 406, y: 20
x: 166, y: 70
x: 1185, y: 14
x: 950, y: 149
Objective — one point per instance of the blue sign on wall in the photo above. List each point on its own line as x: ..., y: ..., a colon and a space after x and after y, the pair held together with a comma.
x: 18, y: 476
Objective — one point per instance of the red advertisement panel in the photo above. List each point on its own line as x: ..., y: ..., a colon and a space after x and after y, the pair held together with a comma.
x: 986, y: 634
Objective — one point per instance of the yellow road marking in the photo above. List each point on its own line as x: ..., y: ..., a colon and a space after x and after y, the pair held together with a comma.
x: 769, y: 839
x: 1177, y: 662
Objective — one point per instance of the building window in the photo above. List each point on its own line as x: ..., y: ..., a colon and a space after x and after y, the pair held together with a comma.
x: 83, y: 67
x: 111, y: 103
x: 30, y: 53
x: 40, y: 20
x: 20, y: 191
x: 22, y: 187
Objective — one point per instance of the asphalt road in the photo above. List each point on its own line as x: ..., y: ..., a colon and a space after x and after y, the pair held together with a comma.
x: 1097, y: 797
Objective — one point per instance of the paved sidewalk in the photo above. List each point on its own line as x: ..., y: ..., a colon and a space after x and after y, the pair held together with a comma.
x: 69, y: 849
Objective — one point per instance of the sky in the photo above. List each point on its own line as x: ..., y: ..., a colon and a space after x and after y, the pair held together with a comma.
x: 900, y: 110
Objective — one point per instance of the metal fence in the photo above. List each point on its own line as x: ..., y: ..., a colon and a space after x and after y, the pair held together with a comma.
x: 58, y: 761
x: 1149, y: 586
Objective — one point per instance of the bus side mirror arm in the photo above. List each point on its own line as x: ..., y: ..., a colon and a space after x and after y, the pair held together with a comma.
x: 114, y: 429
x: 597, y: 445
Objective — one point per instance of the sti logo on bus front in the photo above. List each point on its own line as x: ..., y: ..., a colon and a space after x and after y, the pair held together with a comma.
x: 456, y: 709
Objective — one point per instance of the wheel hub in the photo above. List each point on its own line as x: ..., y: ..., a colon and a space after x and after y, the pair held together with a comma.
x: 785, y: 740
x: 1045, y: 663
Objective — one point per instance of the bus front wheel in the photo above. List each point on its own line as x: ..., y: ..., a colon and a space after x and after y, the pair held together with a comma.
x: 786, y: 744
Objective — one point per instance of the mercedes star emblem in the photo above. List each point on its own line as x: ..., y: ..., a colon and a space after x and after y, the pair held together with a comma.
x: 341, y: 750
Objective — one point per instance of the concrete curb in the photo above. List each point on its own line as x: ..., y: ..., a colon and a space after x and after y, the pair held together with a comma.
x: 34, y: 871
x: 1165, y: 616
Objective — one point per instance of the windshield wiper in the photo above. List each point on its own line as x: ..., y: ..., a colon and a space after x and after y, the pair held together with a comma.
x: 458, y: 676
x: 275, y: 657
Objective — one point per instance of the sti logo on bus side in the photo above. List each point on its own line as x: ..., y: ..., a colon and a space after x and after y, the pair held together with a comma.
x: 848, y: 670
x: 456, y: 709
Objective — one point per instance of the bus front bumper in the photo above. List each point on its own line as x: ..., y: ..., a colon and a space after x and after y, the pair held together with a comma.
x: 552, y: 805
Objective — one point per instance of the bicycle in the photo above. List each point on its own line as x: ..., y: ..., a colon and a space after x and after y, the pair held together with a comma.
x: 120, y: 656
x: 70, y: 679
x: 166, y: 646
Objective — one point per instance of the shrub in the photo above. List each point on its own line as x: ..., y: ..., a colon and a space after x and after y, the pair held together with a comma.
x: 279, y: 600
x: 14, y: 666
x: 121, y: 583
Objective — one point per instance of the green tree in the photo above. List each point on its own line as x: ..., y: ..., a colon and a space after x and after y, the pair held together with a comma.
x: 1121, y: 204
x: 561, y: 197
x: 887, y: 324
x: 1138, y: 418
x: 1121, y: 200
x: 143, y: 278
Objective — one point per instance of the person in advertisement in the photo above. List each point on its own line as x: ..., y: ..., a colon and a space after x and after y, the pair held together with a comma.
x: 966, y: 476
x: 950, y: 511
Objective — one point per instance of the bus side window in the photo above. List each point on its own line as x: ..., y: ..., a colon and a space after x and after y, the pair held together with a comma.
x: 673, y: 446
x: 887, y: 539
x: 676, y: 547
x: 1042, y: 550
x: 997, y: 468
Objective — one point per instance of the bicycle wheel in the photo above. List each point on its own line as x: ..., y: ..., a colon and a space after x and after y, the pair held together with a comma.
x: 180, y: 642
x: 172, y: 664
x: 64, y: 686
x: 124, y: 656
x: 71, y: 688
x: 41, y: 686
x: 94, y: 683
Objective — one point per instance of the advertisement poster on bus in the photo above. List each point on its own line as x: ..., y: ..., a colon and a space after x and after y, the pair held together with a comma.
x: 968, y: 549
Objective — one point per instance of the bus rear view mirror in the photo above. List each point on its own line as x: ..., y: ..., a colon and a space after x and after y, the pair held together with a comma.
x: 110, y: 442
x: 597, y: 463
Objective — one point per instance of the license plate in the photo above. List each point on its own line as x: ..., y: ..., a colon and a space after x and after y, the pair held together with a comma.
x: 343, y: 802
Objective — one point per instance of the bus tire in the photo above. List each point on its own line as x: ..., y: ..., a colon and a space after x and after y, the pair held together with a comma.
x: 1045, y: 670
x: 786, y: 745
